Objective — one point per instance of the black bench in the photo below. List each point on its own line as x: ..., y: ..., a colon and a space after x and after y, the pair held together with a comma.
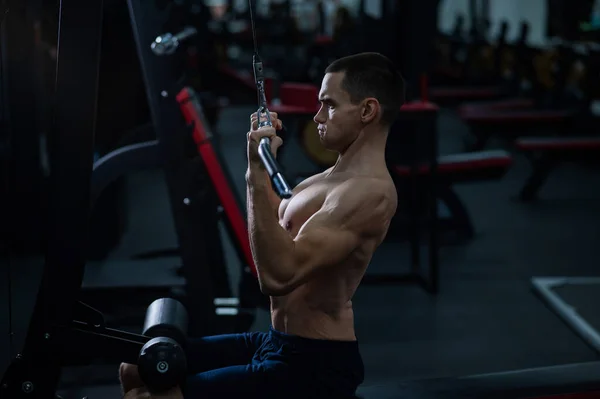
x: 573, y: 381
x: 460, y: 168
x: 546, y: 153
x: 514, y: 123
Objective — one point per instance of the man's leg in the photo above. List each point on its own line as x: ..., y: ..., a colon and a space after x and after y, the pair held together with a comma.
x: 248, y: 381
x: 204, y: 354
x: 219, y: 351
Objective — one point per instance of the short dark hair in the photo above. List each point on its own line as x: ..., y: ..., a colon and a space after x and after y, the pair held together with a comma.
x: 372, y: 75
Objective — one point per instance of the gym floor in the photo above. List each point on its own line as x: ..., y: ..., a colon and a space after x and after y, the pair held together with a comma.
x: 486, y: 317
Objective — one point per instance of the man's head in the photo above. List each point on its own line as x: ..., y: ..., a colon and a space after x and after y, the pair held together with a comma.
x: 358, y: 90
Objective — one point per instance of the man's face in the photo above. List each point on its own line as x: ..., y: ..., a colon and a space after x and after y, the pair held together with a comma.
x: 338, y: 119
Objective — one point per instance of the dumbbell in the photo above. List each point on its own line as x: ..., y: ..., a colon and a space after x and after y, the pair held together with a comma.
x: 167, y: 43
x: 162, y: 363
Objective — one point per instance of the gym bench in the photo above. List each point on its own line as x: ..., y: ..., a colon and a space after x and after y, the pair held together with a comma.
x: 485, y: 123
x: 501, y: 105
x: 453, y: 95
x: 460, y: 168
x: 546, y: 153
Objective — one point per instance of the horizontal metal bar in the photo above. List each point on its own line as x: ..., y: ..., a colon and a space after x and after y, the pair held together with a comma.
x: 543, y: 287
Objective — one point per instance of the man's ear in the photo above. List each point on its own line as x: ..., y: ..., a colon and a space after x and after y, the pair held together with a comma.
x: 370, y: 110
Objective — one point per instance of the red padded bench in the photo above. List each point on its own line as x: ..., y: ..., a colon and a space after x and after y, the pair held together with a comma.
x: 294, y: 98
x: 494, y: 117
x: 299, y: 94
x: 303, y: 98
x: 558, y: 144
x: 460, y: 168
x: 323, y: 40
x: 466, y: 167
x: 514, y: 123
x: 445, y: 95
x: 551, y: 151
x: 501, y: 105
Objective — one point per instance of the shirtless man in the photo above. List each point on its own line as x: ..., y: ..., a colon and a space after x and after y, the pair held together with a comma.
x: 311, y: 251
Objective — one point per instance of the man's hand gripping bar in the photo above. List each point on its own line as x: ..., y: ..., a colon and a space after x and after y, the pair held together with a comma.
x: 280, y: 185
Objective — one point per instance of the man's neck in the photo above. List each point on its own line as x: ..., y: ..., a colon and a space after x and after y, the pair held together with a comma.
x: 366, y: 153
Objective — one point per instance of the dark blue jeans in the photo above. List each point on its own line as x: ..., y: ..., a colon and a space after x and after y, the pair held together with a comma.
x: 272, y: 365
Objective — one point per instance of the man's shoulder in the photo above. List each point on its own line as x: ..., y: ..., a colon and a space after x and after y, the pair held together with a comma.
x: 363, y: 191
x: 368, y: 186
x: 365, y: 204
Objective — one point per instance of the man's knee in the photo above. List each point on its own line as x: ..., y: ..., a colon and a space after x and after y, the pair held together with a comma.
x: 127, y: 371
x: 129, y: 377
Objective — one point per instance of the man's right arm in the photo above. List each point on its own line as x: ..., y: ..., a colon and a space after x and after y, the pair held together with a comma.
x: 273, y: 197
x: 353, y: 214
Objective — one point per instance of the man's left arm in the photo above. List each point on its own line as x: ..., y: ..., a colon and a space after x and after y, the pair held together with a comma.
x: 350, y: 214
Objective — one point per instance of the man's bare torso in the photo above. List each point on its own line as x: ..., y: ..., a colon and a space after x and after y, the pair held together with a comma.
x: 322, y: 307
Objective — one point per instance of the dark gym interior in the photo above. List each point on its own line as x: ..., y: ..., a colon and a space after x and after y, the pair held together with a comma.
x: 123, y: 160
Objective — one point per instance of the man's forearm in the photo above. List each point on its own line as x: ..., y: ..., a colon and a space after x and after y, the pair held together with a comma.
x: 273, y: 197
x: 272, y: 246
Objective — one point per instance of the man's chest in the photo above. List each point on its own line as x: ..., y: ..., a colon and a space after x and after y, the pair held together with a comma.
x: 293, y: 213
